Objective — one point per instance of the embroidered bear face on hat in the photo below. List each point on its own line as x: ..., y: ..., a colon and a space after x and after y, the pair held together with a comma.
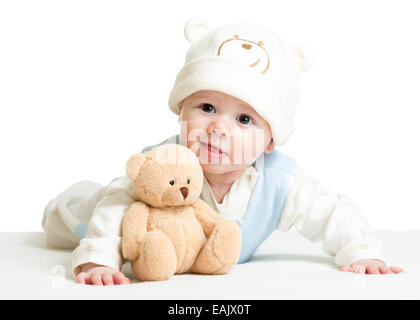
x: 248, y: 62
x: 247, y: 52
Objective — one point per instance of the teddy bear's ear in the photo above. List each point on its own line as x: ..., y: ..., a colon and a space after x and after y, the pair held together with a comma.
x: 195, y: 28
x: 134, y: 164
x: 305, y: 58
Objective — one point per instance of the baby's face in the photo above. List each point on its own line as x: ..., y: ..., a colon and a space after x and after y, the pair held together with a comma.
x: 224, y: 132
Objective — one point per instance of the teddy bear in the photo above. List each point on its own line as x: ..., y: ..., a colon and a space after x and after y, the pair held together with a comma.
x: 171, y: 230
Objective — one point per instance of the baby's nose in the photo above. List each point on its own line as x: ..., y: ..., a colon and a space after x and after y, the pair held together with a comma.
x: 223, y: 133
x: 246, y: 46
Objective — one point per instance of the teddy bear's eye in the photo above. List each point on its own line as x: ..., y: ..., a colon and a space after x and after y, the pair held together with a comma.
x: 171, y: 182
x: 188, y: 180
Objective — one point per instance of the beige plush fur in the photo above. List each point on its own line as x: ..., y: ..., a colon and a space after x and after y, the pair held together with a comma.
x: 166, y: 232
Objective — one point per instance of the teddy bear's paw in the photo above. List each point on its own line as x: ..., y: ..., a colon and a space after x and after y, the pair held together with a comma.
x: 157, y: 260
x: 130, y: 249
x: 226, y: 244
x: 221, y: 251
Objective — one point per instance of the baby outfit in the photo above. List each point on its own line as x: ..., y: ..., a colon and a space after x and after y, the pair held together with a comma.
x: 252, y: 64
x: 274, y: 195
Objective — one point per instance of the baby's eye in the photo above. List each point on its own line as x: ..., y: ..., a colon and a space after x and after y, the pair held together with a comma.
x: 244, y: 119
x: 188, y: 181
x: 206, y: 107
x: 171, y: 182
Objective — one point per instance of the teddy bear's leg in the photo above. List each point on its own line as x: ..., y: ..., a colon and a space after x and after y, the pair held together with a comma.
x: 221, y: 251
x: 157, y: 259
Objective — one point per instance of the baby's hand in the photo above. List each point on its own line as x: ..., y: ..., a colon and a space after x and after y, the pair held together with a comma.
x: 372, y: 266
x: 96, y: 274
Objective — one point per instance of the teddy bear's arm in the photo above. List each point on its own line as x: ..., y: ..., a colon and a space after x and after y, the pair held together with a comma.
x: 206, y: 215
x: 134, y: 227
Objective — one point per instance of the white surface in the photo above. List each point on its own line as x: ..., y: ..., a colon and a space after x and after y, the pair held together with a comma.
x: 287, y: 266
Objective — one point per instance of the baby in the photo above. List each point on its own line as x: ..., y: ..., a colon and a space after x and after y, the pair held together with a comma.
x: 235, y: 97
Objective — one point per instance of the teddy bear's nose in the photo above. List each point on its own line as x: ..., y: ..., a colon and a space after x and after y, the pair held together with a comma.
x: 184, y: 191
x: 246, y: 46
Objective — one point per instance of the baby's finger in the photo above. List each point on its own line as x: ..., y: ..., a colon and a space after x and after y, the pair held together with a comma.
x: 359, y: 269
x: 384, y: 270
x: 346, y: 269
x: 120, y: 278
x: 96, y: 279
x: 372, y: 270
x: 396, y: 269
x: 82, y: 277
x: 107, y: 279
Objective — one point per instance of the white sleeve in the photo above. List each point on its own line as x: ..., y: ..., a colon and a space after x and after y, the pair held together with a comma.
x: 319, y: 214
x: 102, y: 243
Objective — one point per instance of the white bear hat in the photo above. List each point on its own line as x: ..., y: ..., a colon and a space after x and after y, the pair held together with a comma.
x: 247, y: 62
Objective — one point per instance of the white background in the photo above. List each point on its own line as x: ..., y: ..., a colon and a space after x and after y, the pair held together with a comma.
x: 84, y: 84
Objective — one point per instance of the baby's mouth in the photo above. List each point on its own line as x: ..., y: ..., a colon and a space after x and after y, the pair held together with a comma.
x: 213, y: 152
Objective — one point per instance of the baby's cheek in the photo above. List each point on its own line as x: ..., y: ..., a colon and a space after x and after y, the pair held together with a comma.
x: 251, y: 149
x: 239, y: 152
x: 194, y: 134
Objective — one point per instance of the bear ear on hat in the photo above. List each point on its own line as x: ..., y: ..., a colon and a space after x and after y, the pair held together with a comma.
x: 195, y: 28
x: 304, y: 56
x: 134, y: 165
